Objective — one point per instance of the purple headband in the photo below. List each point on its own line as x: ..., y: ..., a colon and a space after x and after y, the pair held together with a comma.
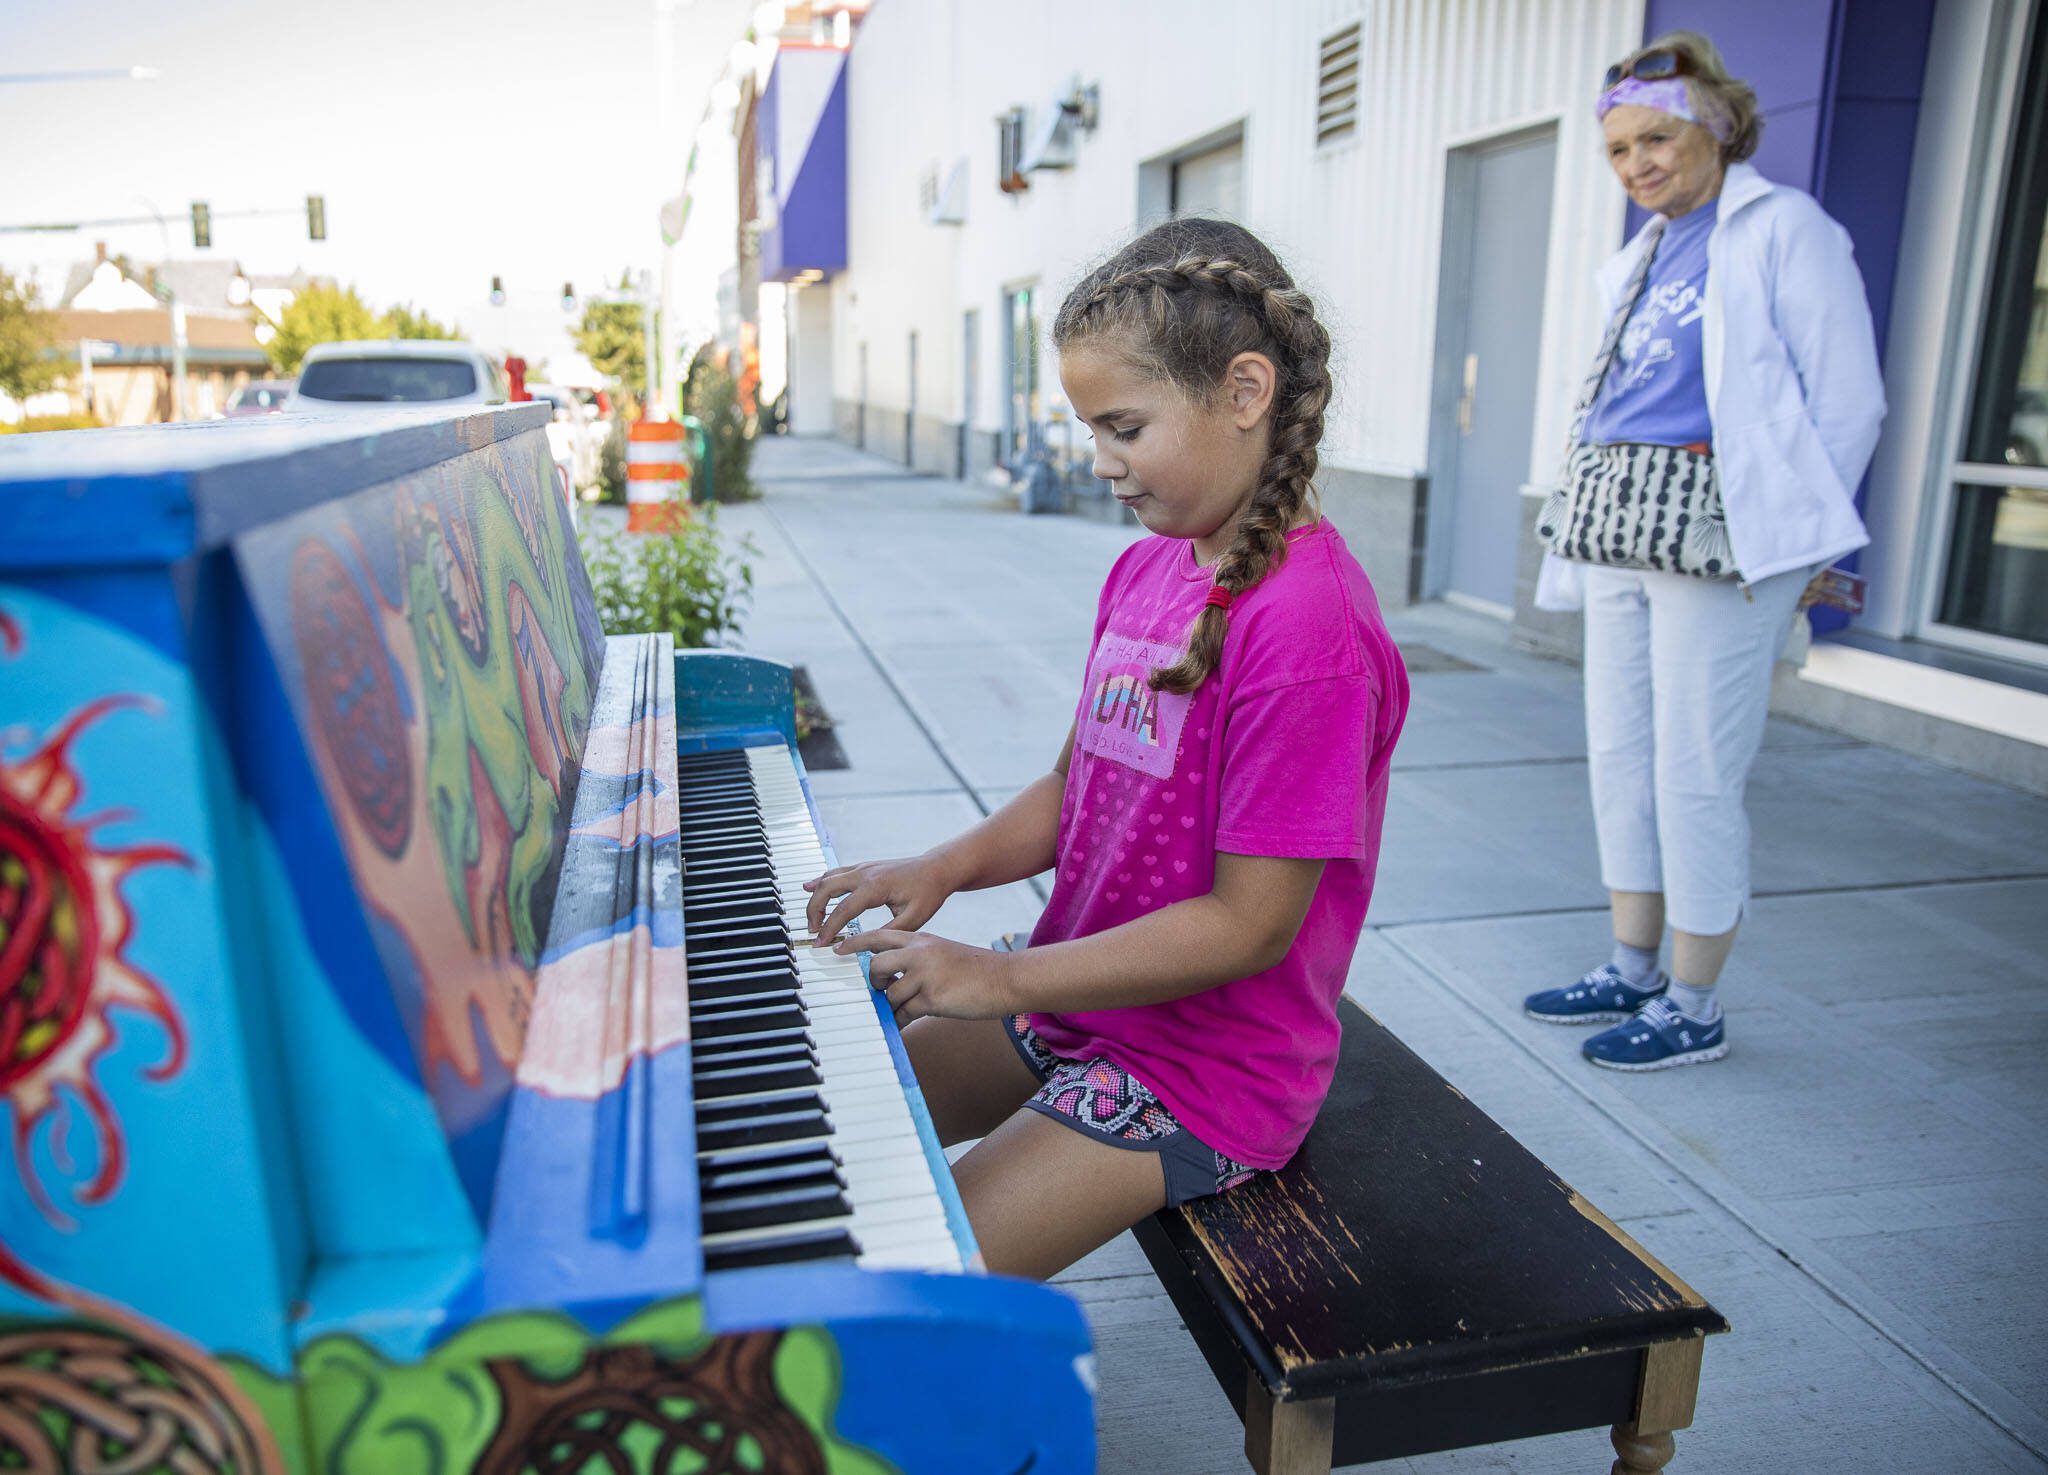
x: 1665, y: 95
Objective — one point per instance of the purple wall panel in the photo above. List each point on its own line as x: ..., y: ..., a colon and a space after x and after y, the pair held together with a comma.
x: 1839, y: 81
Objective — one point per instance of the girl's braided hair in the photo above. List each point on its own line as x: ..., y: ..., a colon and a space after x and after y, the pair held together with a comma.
x: 1179, y: 304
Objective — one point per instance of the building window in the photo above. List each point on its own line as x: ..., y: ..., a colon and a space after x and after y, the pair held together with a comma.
x: 1996, y: 577
x: 1024, y: 408
x: 1337, y: 67
x: 1010, y: 153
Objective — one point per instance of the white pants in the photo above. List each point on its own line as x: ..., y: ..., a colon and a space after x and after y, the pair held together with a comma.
x: 1678, y: 682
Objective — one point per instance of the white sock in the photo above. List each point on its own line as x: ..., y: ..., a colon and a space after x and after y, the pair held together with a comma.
x: 1637, y: 965
x: 1697, y: 1004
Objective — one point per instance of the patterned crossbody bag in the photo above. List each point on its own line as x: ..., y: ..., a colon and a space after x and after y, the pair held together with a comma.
x: 1635, y: 506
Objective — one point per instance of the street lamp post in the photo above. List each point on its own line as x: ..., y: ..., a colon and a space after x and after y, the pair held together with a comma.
x: 163, y: 292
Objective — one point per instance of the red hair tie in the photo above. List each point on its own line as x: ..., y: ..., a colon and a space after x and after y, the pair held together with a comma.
x: 1219, y: 598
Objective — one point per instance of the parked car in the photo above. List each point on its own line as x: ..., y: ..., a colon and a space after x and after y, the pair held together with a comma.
x: 258, y: 397
x: 575, y: 435
x: 397, y: 371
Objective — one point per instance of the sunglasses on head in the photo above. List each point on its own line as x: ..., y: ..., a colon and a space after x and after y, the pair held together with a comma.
x: 1651, y: 66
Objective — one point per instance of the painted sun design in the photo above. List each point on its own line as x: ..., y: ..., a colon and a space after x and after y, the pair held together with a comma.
x: 64, y: 931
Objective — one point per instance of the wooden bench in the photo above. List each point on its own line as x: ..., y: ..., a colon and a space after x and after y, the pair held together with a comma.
x: 1415, y: 1280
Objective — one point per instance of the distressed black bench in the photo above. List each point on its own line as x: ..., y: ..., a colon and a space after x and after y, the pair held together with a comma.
x: 1415, y: 1280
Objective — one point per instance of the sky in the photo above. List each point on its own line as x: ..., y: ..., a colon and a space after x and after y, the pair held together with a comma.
x: 453, y: 140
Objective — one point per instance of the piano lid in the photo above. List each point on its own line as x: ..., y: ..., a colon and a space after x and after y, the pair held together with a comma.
x: 151, y: 494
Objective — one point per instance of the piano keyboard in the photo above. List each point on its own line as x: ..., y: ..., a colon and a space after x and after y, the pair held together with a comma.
x: 806, y: 1148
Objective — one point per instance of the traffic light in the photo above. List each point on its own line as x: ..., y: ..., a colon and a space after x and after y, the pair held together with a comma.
x: 316, y: 217
x: 568, y: 297
x: 497, y: 291
x: 202, y: 225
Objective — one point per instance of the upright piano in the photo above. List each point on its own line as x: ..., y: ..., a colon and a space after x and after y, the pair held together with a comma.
x: 409, y: 1057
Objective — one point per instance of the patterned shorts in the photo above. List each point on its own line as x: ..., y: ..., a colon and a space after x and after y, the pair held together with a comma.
x: 1102, y: 1099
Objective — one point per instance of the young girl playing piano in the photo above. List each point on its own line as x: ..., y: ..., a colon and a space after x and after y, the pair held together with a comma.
x: 1214, y: 817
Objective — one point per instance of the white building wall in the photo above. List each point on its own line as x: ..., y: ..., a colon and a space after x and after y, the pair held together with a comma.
x: 811, y: 343
x: 1358, y: 222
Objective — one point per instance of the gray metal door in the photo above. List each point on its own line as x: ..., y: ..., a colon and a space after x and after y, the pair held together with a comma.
x: 1496, y: 241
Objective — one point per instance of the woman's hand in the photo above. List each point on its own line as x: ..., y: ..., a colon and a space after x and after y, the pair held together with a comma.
x: 912, y: 890
x: 924, y: 975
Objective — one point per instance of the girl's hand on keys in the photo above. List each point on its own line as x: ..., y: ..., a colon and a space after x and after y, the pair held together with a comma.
x: 911, y: 889
x: 923, y: 975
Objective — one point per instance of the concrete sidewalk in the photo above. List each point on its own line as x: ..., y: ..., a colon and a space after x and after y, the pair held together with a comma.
x: 1859, y: 1187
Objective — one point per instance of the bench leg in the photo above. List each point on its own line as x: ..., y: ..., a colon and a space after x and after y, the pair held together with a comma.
x: 1640, y: 1454
x: 1287, y: 1438
x: 1664, y: 1401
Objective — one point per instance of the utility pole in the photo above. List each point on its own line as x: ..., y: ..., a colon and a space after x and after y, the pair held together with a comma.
x: 652, y: 348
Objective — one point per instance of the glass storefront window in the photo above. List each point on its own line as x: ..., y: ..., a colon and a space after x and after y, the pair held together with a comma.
x: 1996, y: 579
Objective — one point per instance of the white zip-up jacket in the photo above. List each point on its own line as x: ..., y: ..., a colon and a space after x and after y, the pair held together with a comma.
x: 1794, y: 390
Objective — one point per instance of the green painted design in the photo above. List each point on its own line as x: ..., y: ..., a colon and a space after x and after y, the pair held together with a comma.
x: 533, y: 1393
x: 488, y: 600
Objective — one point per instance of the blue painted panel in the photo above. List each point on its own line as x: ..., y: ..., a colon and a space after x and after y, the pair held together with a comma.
x: 141, y: 1173
x: 726, y: 691
x: 150, y: 494
x: 952, y: 1373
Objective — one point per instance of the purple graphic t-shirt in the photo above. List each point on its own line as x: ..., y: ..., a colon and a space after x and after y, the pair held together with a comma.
x: 1284, y: 752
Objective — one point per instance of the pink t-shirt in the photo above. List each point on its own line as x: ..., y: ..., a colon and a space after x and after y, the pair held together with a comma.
x: 1283, y: 751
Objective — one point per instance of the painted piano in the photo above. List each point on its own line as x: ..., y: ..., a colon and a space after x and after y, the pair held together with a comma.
x: 405, y: 1061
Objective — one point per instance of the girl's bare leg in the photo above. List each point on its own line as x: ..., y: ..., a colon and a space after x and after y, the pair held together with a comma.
x: 970, y: 1073
x: 1041, y: 1195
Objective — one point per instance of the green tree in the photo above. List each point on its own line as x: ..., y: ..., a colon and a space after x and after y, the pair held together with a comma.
x: 612, y: 338
x: 406, y: 321
x: 26, y: 335
x: 319, y: 314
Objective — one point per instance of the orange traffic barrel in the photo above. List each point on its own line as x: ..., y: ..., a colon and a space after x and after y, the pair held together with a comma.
x: 657, y: 477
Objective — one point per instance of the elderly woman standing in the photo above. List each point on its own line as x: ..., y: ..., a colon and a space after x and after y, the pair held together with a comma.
x: 1733, y: 407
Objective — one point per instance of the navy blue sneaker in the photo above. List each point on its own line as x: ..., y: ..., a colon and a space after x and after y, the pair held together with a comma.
x: 1601, y: 997
x: 1657, y: 1038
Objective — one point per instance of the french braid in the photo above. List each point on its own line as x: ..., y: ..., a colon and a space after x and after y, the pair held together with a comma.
x: 1180, y: 303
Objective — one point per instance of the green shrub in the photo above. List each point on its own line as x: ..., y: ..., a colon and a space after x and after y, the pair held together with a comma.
x: 53, y: 422
x: 688, y: 582
x: 714, y: 398
x: 611, y: 461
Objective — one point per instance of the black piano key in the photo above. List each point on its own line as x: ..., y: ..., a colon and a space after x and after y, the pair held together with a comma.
x: 716, y: 906
x: 725, y: 871
x: 722, y: 819
x: 721, y: 795
x: 774, y: 1126
x: 707, y: 989
x: 778, y: 964
x: 774, y: 1206
x: 761, y: 912
x: 701, y: 1048
x: 783, y: 1249
x: 711, y: 1084
x: 746, y: 1003
x: 769, y: 930
x: 748, y: 1022
x: 799, y: 1050
x: 780, y: 1101
x: 730, y: 1172
x: 753, y: 954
